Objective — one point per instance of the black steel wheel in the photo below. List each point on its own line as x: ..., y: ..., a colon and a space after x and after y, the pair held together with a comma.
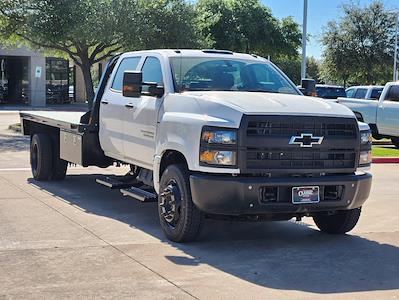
x: 180, y: 219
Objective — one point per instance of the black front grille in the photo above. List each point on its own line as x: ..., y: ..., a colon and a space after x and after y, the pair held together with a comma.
x: 265, y: 144
x: 307, y: 159
x: 318, y: 126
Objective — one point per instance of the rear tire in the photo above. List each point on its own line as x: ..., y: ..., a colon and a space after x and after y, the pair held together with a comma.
x: 180, y: 219
x: 41, y: 157
x: 339, y: 223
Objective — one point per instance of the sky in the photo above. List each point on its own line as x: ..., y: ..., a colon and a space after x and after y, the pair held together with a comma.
x: 319, y: 13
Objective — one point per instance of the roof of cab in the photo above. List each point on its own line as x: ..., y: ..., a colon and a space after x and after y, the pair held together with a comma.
x: 329, y: 86
x: 365, y: 86
x: 198, y: 53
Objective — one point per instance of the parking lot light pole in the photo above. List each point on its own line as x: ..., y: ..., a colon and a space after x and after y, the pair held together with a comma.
x: 304, y: 33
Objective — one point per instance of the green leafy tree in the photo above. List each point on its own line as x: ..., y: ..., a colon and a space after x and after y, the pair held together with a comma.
x: 87, y: 31
x: 312, y: 68
x: 359, y: 48
x: 246, y: 26
x: 161, y: 24
x: 291, y: 66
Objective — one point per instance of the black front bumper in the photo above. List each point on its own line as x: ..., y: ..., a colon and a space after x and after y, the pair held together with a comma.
x: 228, y: 195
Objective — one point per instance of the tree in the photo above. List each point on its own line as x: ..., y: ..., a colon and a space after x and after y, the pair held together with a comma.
x: 360, y: 47
x: 246, y: 26
x: 162, y: 24
x: 87, y: 31
x: 291, y: 66
x: 312, y: 68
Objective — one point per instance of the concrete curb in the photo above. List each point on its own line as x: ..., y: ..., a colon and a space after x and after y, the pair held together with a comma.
x: 385, y: 160
x: 377, y: 143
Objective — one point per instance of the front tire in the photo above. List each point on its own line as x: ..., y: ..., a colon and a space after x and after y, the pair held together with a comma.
x: 180, y: 219
x: 339, y: 223
x: 395, y: 141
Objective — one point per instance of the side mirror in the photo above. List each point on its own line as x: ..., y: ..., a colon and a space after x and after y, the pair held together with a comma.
x: 154, y: 89
x: 308, y: 87
x: 132, y: 84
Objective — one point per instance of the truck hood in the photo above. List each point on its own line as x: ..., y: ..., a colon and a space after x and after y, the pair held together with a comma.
x: 271, y: 103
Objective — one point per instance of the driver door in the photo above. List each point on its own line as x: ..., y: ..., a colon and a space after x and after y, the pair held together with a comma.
x: 140, y: 120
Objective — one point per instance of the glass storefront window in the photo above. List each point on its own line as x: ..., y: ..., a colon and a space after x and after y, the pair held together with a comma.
x: 57, y: 80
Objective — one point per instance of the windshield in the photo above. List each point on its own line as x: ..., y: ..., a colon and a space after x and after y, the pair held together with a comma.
x: 330, y: 92
x: 216, y: 74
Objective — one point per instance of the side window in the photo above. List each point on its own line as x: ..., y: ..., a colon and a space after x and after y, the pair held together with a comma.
x: 375, y: 94
x: 393, y: 93
x: 361, y: 94
x: 350, y: 93
x: 152, y: 71
x: 128, y: 63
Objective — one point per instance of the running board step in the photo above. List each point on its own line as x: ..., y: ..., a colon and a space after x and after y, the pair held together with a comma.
x: 139, y: 194
x: 114, y: 182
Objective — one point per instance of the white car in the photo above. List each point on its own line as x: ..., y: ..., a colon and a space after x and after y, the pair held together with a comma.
x: 382, y: 114
x: 366, y: 92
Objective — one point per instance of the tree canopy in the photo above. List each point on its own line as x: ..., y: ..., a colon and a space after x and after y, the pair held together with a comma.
x: 89, y: 31
x: 246, y: 26
x: 359, y: 48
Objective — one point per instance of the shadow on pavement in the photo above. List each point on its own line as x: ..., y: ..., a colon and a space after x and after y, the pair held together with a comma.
x: 279, y: 255
x: 13, y: 143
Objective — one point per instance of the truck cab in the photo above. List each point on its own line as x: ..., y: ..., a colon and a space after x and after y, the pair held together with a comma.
x: 215, y: 133
x: 381, y: 113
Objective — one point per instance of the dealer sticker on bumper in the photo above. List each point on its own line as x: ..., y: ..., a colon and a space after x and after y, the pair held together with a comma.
x: 305, y: 194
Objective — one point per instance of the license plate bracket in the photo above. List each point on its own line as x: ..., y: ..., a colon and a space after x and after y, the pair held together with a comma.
x: 305, y: 194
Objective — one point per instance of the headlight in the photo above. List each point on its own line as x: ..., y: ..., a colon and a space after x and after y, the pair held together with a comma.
x: 365, y: 137
x: 225, y: 137
x: 216, y: 157
x: 365, y: 158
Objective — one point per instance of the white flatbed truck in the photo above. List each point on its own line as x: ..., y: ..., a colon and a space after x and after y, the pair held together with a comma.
x: 211, y: 133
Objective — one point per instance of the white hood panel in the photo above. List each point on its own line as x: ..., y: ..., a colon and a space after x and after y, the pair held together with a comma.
x: 271, y: 103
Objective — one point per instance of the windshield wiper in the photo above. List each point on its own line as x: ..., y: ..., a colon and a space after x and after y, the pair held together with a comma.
x: 260, y: 91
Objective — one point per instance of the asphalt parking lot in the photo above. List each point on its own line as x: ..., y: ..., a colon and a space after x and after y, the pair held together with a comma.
x: 76, y: 239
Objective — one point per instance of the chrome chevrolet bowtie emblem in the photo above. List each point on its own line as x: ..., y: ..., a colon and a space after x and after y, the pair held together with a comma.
x: 306, y: 140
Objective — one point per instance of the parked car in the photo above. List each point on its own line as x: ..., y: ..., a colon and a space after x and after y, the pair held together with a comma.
x: 382, y: 115
x: 208, y: 133
x: 367, y: 92
x: 329, y: 91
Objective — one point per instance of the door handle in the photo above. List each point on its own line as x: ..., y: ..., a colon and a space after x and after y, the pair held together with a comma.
x: 104, y: 102
x: 129, y: 106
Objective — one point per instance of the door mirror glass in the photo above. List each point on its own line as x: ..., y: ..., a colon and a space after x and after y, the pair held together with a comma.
x: 132, y: 84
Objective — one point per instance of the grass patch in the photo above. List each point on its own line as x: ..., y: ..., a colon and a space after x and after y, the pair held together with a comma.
x: 385, y: 152
x: 15, y: 127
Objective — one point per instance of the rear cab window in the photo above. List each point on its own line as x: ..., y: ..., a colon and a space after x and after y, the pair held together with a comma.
x: 360, y: 93
x: 329, y: 92
x: 375, y: 93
